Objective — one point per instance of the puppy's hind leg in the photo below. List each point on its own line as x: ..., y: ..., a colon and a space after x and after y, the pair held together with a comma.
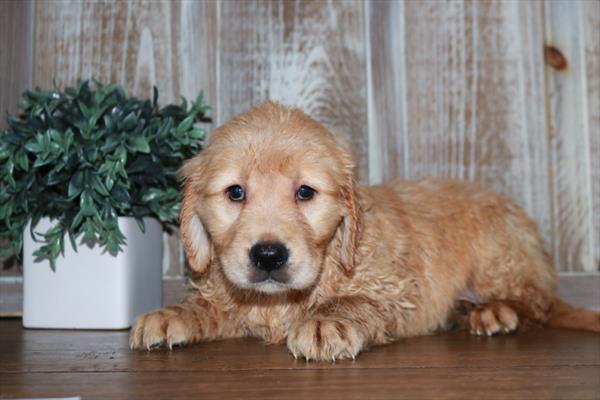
x: 538, y: 307
x: 528, y: 304
x: 492, y: 318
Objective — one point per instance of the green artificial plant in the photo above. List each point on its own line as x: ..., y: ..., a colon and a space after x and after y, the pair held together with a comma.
x: 90, y: 154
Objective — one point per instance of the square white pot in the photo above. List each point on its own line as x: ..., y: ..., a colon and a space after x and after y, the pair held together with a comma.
x: 91, y: 289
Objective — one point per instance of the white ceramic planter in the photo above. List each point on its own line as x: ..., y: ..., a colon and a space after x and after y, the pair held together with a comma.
x: 90, y: 289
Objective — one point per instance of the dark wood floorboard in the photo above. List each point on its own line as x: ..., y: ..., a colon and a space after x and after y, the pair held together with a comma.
x: 535, y: 364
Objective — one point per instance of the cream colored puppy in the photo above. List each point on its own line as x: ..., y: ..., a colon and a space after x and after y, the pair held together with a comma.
x: 286, y: 247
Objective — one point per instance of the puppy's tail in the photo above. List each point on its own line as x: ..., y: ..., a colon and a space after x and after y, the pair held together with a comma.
x: 564, y: 315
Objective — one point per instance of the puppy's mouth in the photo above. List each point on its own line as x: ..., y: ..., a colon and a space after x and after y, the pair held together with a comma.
x: 280, y: 276
x: 275, y: 281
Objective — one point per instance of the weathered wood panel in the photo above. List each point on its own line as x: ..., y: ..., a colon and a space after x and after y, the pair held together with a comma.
x: 386, y: 74
x: 591, y: 26
x: 471, y: 90
x: 309, y: 54
x: 16, y: 47
x: 197, y: 42
x: 16, y: 44
x: 569, y: 132
x: 138, y: 44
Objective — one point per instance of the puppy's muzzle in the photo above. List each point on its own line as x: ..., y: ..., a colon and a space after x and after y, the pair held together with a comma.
x: 269, y: 259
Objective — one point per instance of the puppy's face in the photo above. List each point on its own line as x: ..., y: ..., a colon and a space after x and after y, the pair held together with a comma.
x: 266, y: 198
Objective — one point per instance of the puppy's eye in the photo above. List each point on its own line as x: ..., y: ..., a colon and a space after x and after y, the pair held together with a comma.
x: 305, y: 193
x: 236, y: 193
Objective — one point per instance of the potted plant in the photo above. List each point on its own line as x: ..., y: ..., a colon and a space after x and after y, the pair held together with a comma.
x: 88, y: 181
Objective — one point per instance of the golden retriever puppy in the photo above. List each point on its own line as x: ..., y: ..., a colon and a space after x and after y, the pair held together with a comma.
x: 285, y: 246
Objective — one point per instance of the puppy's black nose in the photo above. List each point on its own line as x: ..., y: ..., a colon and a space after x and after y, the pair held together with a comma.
x: 269, y: 256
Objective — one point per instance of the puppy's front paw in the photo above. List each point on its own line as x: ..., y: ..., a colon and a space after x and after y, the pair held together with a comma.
x: 160, y: 328
x: 327, y: 340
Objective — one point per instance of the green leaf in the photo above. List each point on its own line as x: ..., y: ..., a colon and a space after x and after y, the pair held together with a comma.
x: 141, y: 224
x: 54, y: 136
x: 73, y: 240
x: 121, y: 154
x: 70, y: 91
x: 185, y: 125
x: 140, y: 144
x: 86, y: 204
x: 87, y: 113
x: 23, y: 104
x: 98, y: 186
x: 109, y: 182
x: 89, y: 232
x: 76, y: 221
x: 90, y: 152
x: 53, y: 178
x: 197, y: 133
x: 164, y: 130
x: 184, y: 104
x: 76, y: 184
x: 41, y: 161
x: 129, y: 122
x: 82, y: 126
x: 120, y: 194
x: 68, y: 140
x: 108, y: 122
x: 22, y: 160
x: 33, y: 147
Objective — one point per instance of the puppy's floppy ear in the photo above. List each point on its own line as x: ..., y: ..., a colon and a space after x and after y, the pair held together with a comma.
x: 351, y: 224
x: 196, y: 243
x: 350, y: 228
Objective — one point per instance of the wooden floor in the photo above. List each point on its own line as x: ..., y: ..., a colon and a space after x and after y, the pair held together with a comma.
x: 536, y: 364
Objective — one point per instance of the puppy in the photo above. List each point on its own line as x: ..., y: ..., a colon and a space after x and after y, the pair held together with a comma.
x: 285, y: 246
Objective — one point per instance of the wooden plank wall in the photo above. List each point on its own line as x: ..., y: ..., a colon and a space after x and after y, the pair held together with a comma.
x: 505, y: 93
x: 16, y: 63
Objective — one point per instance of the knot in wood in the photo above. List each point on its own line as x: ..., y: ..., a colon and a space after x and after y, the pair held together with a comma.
x: 555, y: 58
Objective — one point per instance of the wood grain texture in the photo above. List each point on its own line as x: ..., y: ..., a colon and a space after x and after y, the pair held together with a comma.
x: 138, y: 44
x: 198, y: 46
x: 309, y: 54
x: 569, y: 130
x: 105, y: 351
x: 133, y: 43
x: 591, y: 26
x: 475, y: 98
x: 16, y: 46
x: 11, y: 296
x: 386, y: 74
x: 536, y: 364
x: 532, y: 383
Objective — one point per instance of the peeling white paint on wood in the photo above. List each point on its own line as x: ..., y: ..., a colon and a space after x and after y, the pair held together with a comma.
x: 569, y: 130
x: 308, y: 54
x: 591, y: 28
x: 388, y: 147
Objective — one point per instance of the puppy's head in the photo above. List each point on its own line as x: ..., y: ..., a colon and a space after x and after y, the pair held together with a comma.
x: 270, y: 197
